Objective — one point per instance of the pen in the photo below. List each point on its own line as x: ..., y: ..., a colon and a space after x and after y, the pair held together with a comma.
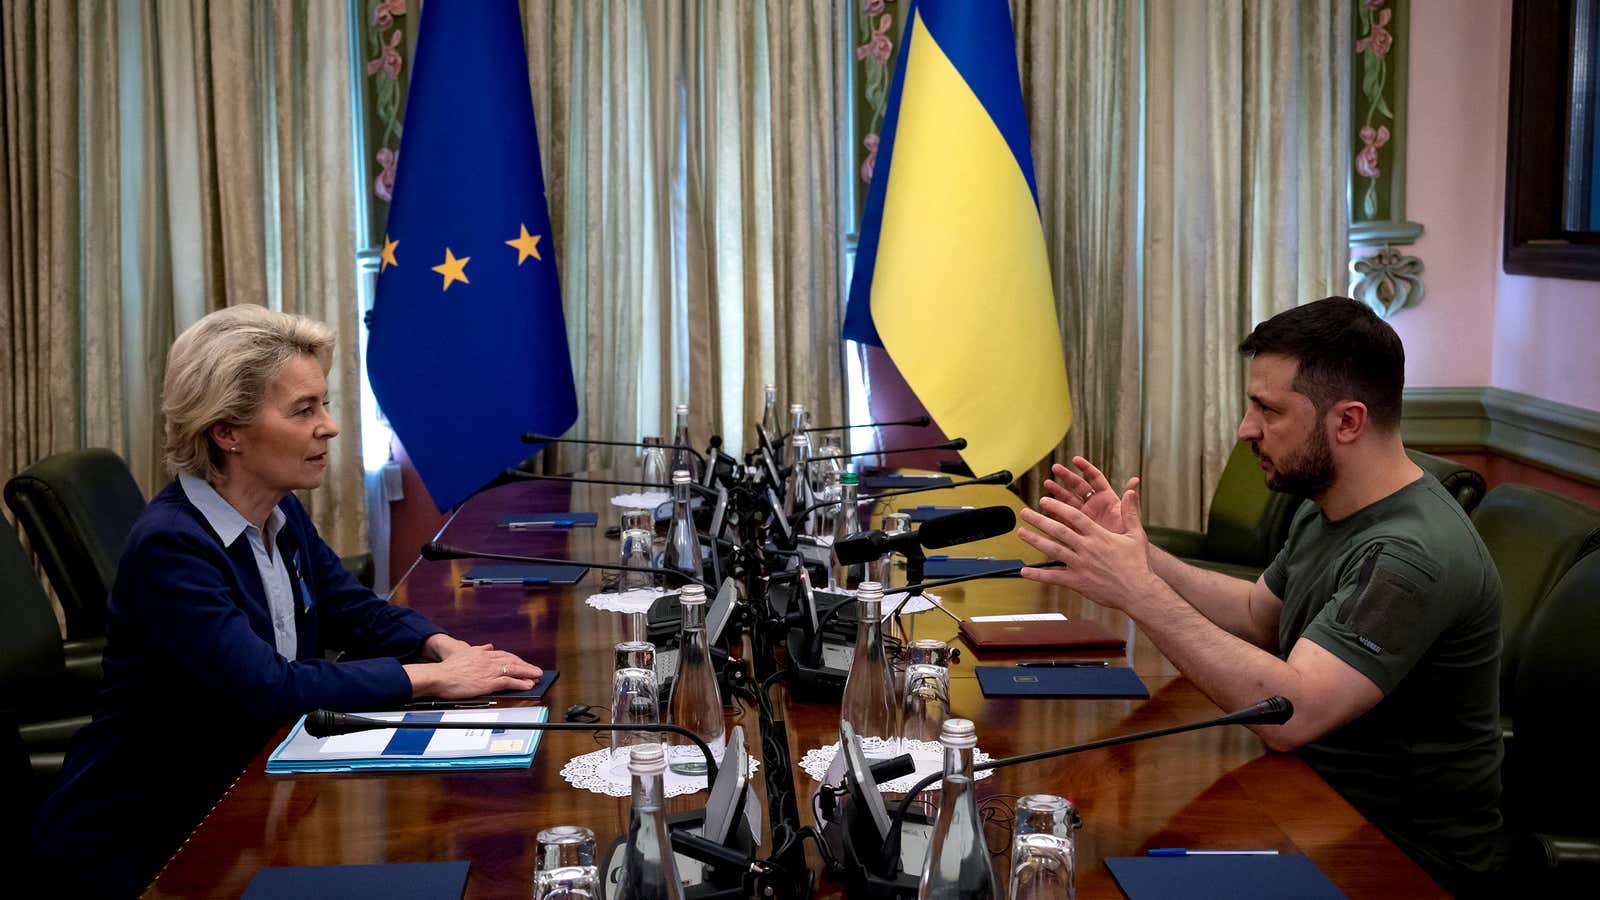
x: 1062, y: 664
x: 450, y: 704
x: 1179, y: 851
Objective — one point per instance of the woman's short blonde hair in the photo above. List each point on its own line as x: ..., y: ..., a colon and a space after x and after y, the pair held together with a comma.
x: 219, y: 369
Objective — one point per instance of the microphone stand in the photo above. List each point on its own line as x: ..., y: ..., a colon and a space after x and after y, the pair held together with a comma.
x: 918, y: 422
x: 435, y: 550
x: 520, y: 475
x: 536, y: 438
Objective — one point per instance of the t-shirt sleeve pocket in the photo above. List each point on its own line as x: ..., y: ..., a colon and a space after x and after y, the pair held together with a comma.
x: 1385, y: 615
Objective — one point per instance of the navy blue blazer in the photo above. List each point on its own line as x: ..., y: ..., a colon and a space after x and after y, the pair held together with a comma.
x: 194, y: 686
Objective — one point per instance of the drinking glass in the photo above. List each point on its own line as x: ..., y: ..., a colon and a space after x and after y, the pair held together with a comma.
x: 565, y: 868
x: 653, y: 464
x: 635, y: 700
x: 926, y: 701
x: 1043, y: 860
x: 893, y: 523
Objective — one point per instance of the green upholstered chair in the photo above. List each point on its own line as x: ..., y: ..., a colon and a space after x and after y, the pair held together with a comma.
x: 45, y: 700
x: 1463, y: 482
x: 1534, y: 537
x: 1246, y: 527
x: 1551, y: 783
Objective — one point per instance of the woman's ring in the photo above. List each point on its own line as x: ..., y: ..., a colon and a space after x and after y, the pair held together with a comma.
x: 505, y: 669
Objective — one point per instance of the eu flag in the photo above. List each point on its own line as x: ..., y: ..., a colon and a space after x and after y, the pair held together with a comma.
x: 468, y: 346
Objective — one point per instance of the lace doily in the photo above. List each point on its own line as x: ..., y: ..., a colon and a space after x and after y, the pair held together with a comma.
x: 920, y: 603
x: 928, y: 756
x: 592, y: 772
x: 635, y: 601
x: 641, y: 500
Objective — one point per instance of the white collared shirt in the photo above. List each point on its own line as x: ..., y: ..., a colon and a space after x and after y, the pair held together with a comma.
x: 228, y: 523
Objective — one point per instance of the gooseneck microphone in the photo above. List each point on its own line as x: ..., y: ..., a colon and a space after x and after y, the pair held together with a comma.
x: 960, y: 527
x: 520, y: 475
x: 1001, y: 477
x: 533, y: 437
x: 437, y: 550
x: 918, y: 422
x: 321, y: 723
x: 1274, y: 710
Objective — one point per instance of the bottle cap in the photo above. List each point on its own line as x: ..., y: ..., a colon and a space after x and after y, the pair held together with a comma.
x: 691, y: 594
x: 679, y: 476
x: 797, y: 407
x: 869, y: 592
x: 769, y: 388
x: 849, y: 478
x: 958, y: 733
x: 798, y: 439
x: 647, y: 759
x: 682, y: 409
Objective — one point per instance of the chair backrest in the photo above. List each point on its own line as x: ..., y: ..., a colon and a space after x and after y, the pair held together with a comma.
x: 78, y: 509
x: 1247, y: 524
x: 1534, y: 537
x: 1553, y: 785
x: 1463, y: 482
x: 30, y: 640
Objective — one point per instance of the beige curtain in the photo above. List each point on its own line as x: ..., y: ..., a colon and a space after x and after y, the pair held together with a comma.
x: 215, y: 169
x: 40, y: 330
x: 688, y: 158
x: 1245, y: 175
x: 1080, y: 82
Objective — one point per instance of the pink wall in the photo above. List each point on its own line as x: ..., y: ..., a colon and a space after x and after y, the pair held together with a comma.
x: 1477, y: 325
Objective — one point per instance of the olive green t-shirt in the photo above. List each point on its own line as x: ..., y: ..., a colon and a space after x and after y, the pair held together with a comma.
x: 1404, y: 592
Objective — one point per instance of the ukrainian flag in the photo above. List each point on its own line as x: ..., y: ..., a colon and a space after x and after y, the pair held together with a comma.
x: 951, y: 276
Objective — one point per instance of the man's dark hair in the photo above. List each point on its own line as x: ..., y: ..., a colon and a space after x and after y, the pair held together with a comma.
x: 1345, y: 352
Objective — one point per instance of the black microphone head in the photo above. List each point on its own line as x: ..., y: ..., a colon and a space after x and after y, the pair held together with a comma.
x: 956, y: 444
x: 1001, y: 476
x: 965, y: 526
x: 1274, y: 710
x: 321, y: 723
x: 436, y: 550
x: 889, y: 769
x: 920, y: 422
x: 859, y: 548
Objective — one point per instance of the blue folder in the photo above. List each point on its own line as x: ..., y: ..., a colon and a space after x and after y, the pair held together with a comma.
x: 924, y: 513
x: 391, y: 881
x: 902, y: 482
x: 957, y: 566
x: 505, y: 747
x: 550, y: 520
x: 1039, y: 681
x: 1221, y: 877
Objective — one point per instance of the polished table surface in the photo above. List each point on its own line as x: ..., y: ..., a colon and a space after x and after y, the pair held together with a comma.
x: 1217, y: 788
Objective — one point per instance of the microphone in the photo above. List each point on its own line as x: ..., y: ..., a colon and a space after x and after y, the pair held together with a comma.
x: 1002, y: 477
x: 1274, y: 710
x: 521, y: 475
x: 952, y: 444
x: 437, y: 550
x: 961, y: 527
x: 918, y: 422
x: 533, y: 437
x: 321, y: 723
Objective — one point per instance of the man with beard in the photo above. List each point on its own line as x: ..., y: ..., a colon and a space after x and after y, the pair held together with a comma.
x: 1380, y: 618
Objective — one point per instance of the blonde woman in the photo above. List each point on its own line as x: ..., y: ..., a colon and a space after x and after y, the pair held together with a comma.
x: 223, y: 604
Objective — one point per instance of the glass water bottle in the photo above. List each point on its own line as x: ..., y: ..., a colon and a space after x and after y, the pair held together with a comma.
x: 769, y: 410
x: 847, y: 521
x: 682, y: 453
x: 650, y: 871
x: 696, y: 704
x: 683, y: 543
x: 869, y: 702
x: 797, y: 494
x: 957, y: 866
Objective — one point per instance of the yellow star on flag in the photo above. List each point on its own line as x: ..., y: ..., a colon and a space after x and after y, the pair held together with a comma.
x: 388, y: 254
x: 527, y: 245
x: 453, y: 269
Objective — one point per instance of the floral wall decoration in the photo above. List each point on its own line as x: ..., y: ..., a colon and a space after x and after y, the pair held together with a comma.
x: 386, y: 47
x: 1388, y: 280
x: 878, y: 24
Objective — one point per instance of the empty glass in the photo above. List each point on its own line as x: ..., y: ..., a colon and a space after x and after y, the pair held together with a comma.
x: 653, y: 463
x: 564, y: 868
x: 926, y: 701
x: 1043, y: 859
x: 893, y: 523
x: 635, y: 699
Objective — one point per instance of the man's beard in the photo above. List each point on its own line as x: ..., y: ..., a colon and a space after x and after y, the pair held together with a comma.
x: 1307, y: 472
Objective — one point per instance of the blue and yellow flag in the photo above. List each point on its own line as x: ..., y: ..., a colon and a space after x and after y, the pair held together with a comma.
x: 951, y: 276
x: 468, y: 345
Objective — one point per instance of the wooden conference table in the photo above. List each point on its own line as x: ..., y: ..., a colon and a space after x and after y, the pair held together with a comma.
x: 1217, y: 788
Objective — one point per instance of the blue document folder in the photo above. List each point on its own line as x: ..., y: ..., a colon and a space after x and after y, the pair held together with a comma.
x: 500, y: 744
x: 1222, y: 877
x: 530, y: 521
x: 391, y: 881
x: 924, y: 513
x: 902, y: 482
x: 1034, y: 681
x: 522, y: 575
x: 957, y: 566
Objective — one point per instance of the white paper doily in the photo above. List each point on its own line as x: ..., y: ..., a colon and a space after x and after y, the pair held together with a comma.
x: 641, y: 500
x: 920, y: 603
x: 928, y: 756
x: 592, y: 772
x: 635, y: 601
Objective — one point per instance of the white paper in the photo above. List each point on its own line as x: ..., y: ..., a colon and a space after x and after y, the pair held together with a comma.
x: 1022, y: 617
x: 369, y: 742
